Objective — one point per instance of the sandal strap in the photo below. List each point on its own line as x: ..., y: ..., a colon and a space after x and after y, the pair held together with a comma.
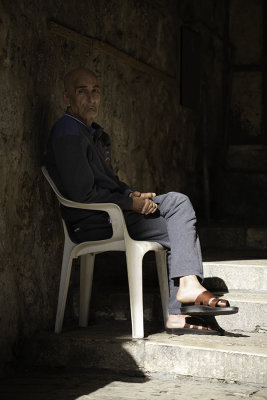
x: 198, y: 327
x: 206, y: 324
x: 196, y: 323
x: 204, y: 298
x: 208, y: 299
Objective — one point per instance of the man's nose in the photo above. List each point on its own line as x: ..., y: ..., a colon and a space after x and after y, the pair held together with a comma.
x: 90, y: 97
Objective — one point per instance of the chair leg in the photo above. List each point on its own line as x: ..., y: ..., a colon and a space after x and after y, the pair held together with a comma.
x: 163, y: 282
x: 134, y: 256
x: 63, y: 287
x: 86, y: 279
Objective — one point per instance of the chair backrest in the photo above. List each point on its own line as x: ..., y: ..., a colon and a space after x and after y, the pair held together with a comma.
x: 55, y: 189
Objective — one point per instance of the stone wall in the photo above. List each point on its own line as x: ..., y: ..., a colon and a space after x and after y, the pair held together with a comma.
x: 155, y: 141
x: 203, y: 130
x: 247, y: 54
x: 138, y: 111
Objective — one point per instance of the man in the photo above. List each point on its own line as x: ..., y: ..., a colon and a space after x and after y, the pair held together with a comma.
x: 79, y: 162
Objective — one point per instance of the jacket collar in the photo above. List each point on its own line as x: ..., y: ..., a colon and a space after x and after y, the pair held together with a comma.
x: 94, y: 129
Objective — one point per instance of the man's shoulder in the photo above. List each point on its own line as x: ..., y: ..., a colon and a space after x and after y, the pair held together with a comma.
x: 65, y: 126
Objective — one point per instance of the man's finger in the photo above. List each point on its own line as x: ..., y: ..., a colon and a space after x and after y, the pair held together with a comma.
x: 154, y: 209
x: 135, y: 194
x: 148, y: 195
x: 151, y: 207
x: 146, y: 206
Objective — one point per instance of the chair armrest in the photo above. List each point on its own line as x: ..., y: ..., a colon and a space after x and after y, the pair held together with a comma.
x: 114, y: 211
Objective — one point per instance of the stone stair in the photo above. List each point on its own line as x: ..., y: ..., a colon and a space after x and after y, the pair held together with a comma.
x: 237, y: 357
x: 240, y: 356
x: 61, y: 384
x: 244, y: 284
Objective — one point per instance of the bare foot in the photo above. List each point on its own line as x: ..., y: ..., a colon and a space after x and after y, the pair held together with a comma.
x: 189, y: 289
x: 183, y: 321
x: 176, y: 321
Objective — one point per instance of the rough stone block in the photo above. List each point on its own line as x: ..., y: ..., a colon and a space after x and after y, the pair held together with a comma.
x: 257, y: 238
x: 247, y: 158
x: 222, y: 237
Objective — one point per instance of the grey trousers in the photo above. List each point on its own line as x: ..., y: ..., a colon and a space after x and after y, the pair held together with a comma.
x: 173, y: 226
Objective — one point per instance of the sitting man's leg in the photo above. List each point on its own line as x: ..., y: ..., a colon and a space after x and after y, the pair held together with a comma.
x: 185, y: 259
x: 174, y: 227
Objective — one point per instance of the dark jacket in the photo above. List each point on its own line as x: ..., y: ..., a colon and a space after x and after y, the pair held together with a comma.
x: 79, y: 162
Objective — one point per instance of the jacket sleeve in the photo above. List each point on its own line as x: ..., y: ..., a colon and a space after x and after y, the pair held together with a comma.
x: 107, y: 150
x: 77, y: 176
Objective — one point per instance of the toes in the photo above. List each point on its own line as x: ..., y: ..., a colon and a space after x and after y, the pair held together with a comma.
x: 223, y: 303
x: 197, y: 323
x: 216, y: 302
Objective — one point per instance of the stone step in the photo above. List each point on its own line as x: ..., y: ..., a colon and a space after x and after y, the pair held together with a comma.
x: 252, y: 314
x: 241, y: 281
x: 57, y: 384
x: 236, y: 274
x: 111, y: 269
x: 237, y: 357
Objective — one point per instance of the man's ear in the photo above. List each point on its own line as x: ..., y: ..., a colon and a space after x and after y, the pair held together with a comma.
x: 66, y: 99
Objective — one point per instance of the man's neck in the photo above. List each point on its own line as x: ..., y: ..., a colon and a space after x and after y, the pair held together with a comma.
x: 87, y: 122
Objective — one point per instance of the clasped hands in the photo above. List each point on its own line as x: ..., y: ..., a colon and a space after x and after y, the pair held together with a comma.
x: 142, y: 203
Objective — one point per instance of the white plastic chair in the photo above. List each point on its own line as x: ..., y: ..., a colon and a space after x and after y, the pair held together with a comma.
x: 120, y: 241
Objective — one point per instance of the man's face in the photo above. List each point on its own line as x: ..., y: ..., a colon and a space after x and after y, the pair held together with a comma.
x: 82, y: 96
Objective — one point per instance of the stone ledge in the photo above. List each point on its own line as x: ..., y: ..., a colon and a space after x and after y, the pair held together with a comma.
x: 116, y: 307
x: 237, y: 274
x: 98, y: 385
x: 236, y: 357
x: 252, y: 313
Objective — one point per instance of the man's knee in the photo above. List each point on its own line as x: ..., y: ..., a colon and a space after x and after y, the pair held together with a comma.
x: 178, y: 197
x: 180, y: 201
x: 172, y: 202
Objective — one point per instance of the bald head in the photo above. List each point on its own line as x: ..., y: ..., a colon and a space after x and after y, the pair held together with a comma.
x: 74, y: 75
x: 82, y: 94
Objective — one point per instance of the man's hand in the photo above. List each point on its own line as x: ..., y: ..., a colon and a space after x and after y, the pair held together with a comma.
x: 144, y: 205
x: 148, y: 195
